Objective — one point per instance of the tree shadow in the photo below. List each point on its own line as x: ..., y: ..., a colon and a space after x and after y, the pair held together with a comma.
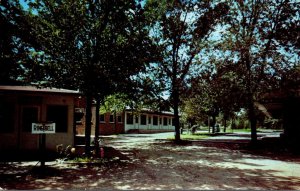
x: 159, y: 165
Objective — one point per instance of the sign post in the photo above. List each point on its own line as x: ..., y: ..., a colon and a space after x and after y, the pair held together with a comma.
x: 42, y: 129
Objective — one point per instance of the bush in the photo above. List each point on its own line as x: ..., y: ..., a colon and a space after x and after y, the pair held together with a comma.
x: 68, y: 152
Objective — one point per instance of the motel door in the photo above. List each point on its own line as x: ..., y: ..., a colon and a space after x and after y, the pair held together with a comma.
x: 29, y: 115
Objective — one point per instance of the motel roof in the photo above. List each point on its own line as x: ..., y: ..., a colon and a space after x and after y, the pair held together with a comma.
x: 34, y: 89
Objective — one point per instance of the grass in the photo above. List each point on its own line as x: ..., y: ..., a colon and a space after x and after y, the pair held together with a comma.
x: 240, y: 130
x: 196, y: 136
x: 248, y: 130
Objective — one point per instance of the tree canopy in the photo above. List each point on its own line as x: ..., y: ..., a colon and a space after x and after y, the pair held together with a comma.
x: 94, y: 46
x: 179, y: 29
x: 251, y: 44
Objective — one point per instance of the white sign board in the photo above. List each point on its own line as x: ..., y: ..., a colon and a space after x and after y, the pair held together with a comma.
x: 43, y: 128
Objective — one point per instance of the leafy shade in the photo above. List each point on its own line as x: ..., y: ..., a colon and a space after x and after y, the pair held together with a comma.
x: 180, y: 28
x: 95, y: 46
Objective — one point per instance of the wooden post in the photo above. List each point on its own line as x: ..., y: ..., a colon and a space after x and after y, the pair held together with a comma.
x: 42, y: 149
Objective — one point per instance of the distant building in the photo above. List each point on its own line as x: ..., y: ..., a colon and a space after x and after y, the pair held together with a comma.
x: 20, y: 106
x: 142, y: 121
x: 148, y: 120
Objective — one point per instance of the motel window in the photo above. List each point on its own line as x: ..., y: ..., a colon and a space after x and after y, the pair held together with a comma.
x: 7, y: 114
x: 143, y: 119
x: 165, y: 121
x: 137, y: 119
x: 129, y: 118
x: 155, y: 120
x: 102, y: 118
x: 119, y: 117
x: 29, y: 116
x: 149, y: 119
x: 111, y: 118
x: 58, y: 114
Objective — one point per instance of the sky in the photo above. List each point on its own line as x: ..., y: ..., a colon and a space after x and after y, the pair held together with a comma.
x: 24, y: 4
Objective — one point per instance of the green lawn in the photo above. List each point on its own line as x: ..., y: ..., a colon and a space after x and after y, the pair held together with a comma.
x: 196, y: 136
x: 240, y: 130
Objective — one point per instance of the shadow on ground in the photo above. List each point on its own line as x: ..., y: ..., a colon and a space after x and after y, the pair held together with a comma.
x: 164, y: 165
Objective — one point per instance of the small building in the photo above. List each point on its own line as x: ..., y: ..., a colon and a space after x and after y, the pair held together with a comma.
x: 142, y: 121
x: 20, y: 106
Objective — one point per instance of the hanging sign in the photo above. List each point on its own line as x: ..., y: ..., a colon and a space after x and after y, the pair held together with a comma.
x: 43, y: 128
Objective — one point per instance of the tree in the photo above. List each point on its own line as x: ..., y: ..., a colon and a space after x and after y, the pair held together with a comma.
x: 252, y: 44
x: 93, y: 46
x: 16, y: 59
x: 179, y: 28
x: 114, y: 104
x: 215, y: 90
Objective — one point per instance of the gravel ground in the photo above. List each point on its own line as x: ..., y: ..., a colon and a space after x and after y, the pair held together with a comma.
x: 148, y: 161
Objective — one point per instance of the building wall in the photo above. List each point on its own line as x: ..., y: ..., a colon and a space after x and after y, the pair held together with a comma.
x: 21, y: 102
x: 109, y: 127
x: 142, y: 122
x: 80, y: 125
x: 158, y: 122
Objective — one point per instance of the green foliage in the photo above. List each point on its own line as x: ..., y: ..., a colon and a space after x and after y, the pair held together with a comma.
x: 114, y: 103
x: 251, y: 51
x: 240, y: 124
x: 91, y: 46
x: 16, y: 62
x: 179, y: 30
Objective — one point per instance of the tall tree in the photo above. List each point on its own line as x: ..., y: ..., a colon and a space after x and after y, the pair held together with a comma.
x: 93, y: 46
x: 215, y: 90
x: 251, y: 41
x: 16, y: 57
x: 179, y: 28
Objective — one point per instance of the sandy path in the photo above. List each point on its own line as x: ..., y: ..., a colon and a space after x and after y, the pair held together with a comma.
x: 160, y: 165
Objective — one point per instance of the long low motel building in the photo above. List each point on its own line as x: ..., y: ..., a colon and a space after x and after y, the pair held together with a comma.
x: 142, y: 121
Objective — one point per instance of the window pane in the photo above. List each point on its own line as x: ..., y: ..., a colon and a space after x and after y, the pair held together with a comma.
x: 59, y: 115
x: 143, y: 120
x: 102, y: 118
x: 129, y: 118
x: 111, y: 118
x: 149, y: 120
x: 119, y: 119
x: 165, y: 121
x: 155, y: 120
x: 7, y: 115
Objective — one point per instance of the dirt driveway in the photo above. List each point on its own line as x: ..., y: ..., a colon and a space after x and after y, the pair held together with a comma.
x: 148, y: 163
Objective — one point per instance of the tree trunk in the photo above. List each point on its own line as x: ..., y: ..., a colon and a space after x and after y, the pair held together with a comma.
x: 88, y: 125
x: 115, y: 124
x: 97, y: 127
x: 252, y: 119
x: 176, y: 119
x: 214, y: 124
x: 208, y: 124
x: 225, y: 124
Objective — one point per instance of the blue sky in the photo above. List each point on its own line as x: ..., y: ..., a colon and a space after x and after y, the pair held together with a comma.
x: 24, y: 4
